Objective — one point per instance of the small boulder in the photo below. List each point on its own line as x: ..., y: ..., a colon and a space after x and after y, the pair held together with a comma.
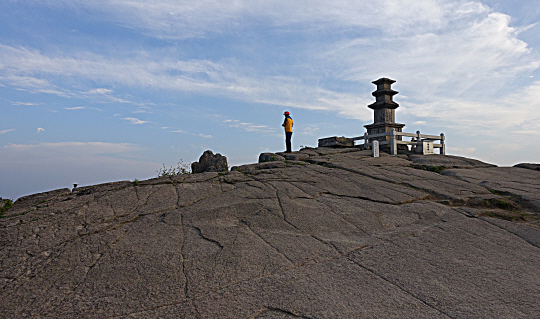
x: 335, y: 141
x: 208, y: 162
x: 270, y: 157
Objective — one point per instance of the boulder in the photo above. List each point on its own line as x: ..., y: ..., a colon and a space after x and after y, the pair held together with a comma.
x: 270, y: 157
x: 335, y: 141
x: 208, y: 162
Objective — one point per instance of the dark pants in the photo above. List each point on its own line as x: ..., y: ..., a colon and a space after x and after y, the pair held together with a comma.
x: 288, y: 136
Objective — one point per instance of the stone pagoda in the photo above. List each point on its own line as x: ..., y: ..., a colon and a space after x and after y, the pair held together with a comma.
x: 385, y: 111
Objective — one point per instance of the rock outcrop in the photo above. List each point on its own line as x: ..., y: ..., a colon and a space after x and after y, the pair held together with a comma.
x: 270, y: 157
x: 535, y: 167
x: 208, y: 162
x: 338, y: 234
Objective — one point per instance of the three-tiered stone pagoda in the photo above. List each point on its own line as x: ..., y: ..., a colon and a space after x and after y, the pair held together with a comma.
x: 385, y: 111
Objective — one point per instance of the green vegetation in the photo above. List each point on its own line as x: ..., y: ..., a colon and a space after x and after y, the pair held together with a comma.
x: 180, y: 169
x: 135, y: 182
x: 506, y: 217
x: 435, y: 169
x: 270, y: 159
x: 8, y: 203
x: 502, y: 204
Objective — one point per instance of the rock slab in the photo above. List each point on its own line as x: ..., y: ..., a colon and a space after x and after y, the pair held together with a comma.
x: 338, y: 235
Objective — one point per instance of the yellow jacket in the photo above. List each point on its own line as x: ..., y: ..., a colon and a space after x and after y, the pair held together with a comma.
x: 288, y: 123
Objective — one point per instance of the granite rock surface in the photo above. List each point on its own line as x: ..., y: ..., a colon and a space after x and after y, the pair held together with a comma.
x: 327, y: 233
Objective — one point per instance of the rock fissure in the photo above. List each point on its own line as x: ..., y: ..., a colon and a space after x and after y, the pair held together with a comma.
x: 402, y: 289
x: 285, y: 312
x: 264, y: 240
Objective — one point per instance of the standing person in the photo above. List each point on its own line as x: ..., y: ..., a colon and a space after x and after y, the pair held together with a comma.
x: 288, y: 124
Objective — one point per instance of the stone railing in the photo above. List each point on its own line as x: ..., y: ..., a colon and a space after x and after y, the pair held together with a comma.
x: 423, y: 143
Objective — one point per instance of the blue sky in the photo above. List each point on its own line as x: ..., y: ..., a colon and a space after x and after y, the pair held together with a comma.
x: 97, y: 91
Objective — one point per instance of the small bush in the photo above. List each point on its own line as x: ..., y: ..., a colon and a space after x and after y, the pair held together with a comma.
x: 500, y: 203
x: 180, y: 169
x: 8, y: 203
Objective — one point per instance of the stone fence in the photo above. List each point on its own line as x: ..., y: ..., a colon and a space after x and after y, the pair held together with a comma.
x: 423, y: 143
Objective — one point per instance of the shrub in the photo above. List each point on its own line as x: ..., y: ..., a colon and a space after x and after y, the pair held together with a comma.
x: 8, y: 203
x: 180, y: 169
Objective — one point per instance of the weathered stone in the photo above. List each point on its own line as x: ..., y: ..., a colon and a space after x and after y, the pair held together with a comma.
x: 294, y: 156
x: 208, y: 162
x: 364, y: 238
x: 270, y: 157
x: 447, y: 161
x: 535, y: 167
x: 335, y: 141
x: 513, y: 181
x: 34, y: 199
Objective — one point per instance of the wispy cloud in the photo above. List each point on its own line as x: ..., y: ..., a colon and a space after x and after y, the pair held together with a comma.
x: 8, y: 130
x: 205, y: 136
x: 178, y: 131
x: 143, y: 109
x: 75, y: 108
x: 250, y: 127
x: 99, y: 91
x: 439, y: 51
x: 134, y: 120
x: 40, y: 129
x: 26, y: 103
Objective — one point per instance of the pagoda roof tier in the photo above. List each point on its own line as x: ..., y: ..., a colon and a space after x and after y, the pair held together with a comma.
x: 384, y: 92
x: 384, y: 105
x: 383, y: 80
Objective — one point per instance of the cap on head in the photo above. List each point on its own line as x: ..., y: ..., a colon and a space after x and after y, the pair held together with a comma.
x: 286, y: 113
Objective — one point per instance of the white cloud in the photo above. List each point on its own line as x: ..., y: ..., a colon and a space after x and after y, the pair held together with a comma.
x: 420, y: 123
x: 178, y: 131
x: 437, y: 50
x: 205, y: 136
x: 510, y: 115
x: 249, y: 127
x: 26, y: 103
x: 40, y: 129
x: 185, y: 19
x: 99, y: 91
x: 8, y: 130
x: 75, y: 108
x: 134, y: 120
x: 143, y: 109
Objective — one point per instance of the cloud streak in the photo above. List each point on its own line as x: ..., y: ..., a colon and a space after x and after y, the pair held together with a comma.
x: 134, y: 120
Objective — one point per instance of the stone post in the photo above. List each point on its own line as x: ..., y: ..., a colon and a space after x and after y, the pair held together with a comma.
x: 443, y: 146
x: 375, y: 148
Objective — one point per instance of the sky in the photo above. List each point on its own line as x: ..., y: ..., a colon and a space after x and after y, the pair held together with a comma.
x: 107, y: 90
